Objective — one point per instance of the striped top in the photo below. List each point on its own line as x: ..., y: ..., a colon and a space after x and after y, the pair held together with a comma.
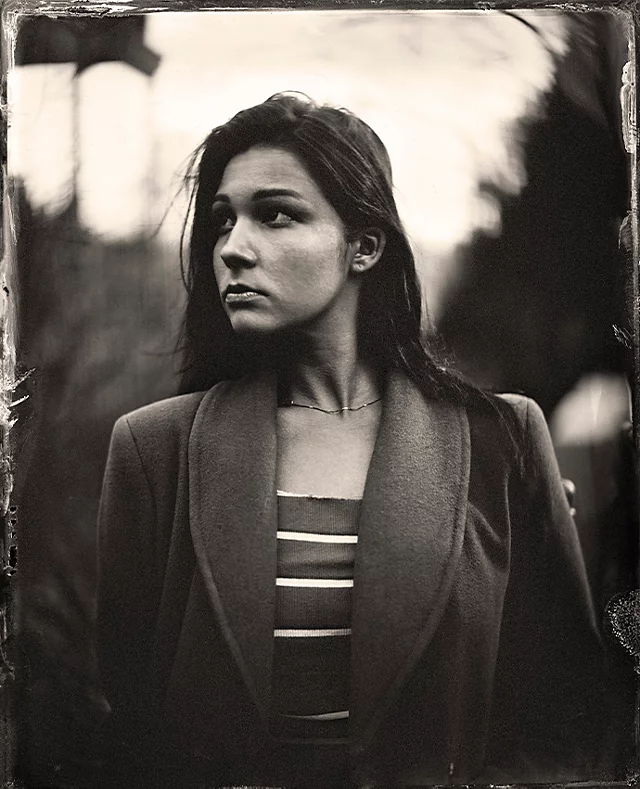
x: 317, y: 540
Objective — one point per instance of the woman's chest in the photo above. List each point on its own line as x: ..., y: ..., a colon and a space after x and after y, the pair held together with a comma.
x: 325, y: 455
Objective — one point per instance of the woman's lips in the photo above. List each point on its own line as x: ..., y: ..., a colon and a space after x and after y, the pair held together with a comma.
x: 242, y: 296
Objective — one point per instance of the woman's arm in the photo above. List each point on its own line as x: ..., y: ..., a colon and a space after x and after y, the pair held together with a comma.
x: 549, y: 689
x: 125, y: 594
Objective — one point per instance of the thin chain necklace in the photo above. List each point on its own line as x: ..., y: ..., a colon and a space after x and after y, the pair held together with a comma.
x: 289, y: 403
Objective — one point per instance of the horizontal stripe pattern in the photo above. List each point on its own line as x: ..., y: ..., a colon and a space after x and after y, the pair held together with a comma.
x: 313, y: 497
x: 309, y: 608
x: 310, y: 633
x: 316, y: 583
x: 327, y: 716
x: 317, y: 560
x: 317, y: 540
x: 327, y: 538
x: 304, y: 513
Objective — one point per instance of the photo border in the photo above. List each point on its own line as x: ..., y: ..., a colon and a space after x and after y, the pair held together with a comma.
x: 13, y: 13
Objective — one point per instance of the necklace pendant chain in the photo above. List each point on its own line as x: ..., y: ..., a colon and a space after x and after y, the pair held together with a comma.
x: 290, y: 403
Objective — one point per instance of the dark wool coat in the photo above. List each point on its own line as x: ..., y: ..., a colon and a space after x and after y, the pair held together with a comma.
x: 475, y: 655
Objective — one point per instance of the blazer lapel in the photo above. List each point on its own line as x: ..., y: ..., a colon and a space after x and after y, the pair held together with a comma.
x: 410, y: 536
x: 233, y: 514
x: 410, y: 539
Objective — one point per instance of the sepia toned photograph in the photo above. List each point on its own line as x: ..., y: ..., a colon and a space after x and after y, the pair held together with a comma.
x: 322, y: 436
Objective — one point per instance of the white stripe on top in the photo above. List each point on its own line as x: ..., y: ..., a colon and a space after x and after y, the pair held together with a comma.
x: 325, y: 716
x: 309, y: 537
x: 300, y: 633
x: 312, y: 496
x: 315, y: 582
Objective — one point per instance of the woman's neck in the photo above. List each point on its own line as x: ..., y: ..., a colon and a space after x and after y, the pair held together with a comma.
x: 329, y: 378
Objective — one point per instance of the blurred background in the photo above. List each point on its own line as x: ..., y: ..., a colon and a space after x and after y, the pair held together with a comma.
x: 512, y: 178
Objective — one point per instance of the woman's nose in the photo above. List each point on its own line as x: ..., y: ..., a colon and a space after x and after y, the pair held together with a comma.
x: 237, y: 250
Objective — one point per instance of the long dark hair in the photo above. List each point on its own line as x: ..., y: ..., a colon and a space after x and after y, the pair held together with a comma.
x: 351, y: 166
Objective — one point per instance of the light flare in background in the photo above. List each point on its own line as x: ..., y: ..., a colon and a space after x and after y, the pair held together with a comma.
x: 116, y: 141
x: 41, y: 135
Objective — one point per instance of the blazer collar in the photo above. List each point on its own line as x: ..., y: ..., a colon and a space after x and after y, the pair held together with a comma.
x: 410, y: 540
x: 410, y: 533
x: 233, y: 519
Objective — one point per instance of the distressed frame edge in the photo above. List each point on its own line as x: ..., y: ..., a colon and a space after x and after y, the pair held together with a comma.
x: 10, y: 16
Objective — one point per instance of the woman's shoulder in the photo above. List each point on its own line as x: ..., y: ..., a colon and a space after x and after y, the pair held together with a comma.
x: 513, y: 411
x: 509, y: 426
x: 157, y: 425
x: 520, y: 404
x: 168, y: 413
x: 156, y: 434
x: 520, y: 412
x: 527, y: 425
x: 527, y: 414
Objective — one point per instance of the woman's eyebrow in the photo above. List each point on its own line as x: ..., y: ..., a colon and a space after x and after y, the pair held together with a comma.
x: 263, y: 194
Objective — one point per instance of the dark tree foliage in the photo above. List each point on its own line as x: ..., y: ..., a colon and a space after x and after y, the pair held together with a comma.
x: 547, y: 299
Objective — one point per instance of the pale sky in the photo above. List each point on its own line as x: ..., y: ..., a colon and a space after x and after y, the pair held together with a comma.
x: 442, y: 89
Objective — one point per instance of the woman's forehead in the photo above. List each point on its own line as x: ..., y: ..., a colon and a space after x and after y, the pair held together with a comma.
x: 265, y: 167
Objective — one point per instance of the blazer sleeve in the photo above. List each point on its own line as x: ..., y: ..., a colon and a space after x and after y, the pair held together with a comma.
x: 549, y: 680
x: 125, y: 593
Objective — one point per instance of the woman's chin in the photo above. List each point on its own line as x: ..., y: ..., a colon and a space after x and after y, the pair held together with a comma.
x: 252, y: 326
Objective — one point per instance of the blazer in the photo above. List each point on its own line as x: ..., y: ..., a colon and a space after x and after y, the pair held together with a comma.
x: 475, y: 653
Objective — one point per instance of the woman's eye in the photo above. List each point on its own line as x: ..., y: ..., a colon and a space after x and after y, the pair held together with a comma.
x: 224, y: 225
x: 276, y: 217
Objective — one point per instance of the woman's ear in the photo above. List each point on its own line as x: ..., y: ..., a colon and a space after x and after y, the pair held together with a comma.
x: 368, y: 247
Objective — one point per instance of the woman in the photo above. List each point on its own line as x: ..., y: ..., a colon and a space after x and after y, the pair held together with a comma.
x: 331, y: 561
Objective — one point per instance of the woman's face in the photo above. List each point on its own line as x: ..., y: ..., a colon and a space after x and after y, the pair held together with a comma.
x: 281, y: 259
